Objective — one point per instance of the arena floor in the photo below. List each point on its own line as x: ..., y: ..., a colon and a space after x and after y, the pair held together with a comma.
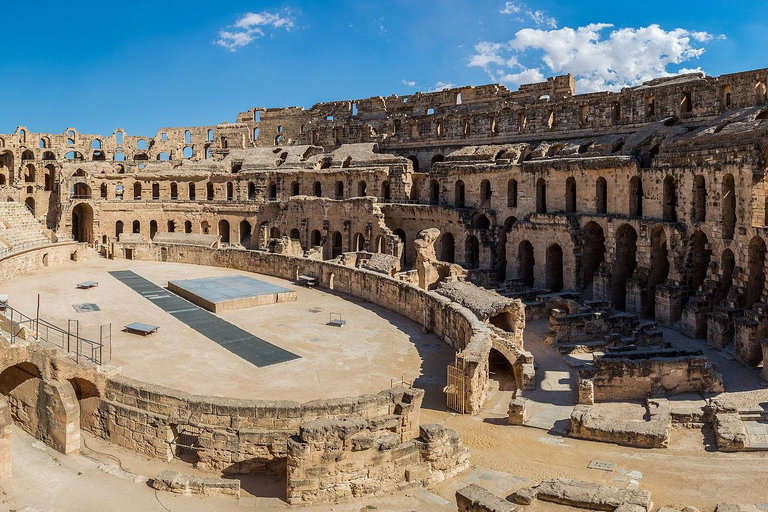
x: 374, y: 348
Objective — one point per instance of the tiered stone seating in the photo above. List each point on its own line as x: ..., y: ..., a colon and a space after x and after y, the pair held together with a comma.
x: 19, y: 229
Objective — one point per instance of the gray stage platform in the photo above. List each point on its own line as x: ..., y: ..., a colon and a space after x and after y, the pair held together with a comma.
x: 230, y: 292
x: 238, y: 341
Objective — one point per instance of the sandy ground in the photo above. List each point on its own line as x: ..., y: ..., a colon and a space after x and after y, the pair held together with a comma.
x: 335, y: 362
x: 689, y: 472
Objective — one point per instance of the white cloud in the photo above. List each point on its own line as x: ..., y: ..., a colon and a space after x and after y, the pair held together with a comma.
x: 510, y: 8
x: 409, y: 83
x: 251, y: 26
x: 441, y: 86
x: 539, y: 17
x: 625, y: 58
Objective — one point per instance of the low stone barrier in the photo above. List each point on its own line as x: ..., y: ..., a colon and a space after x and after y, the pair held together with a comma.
x: 587, y: 424
x: 180, y: 483
x: 474, y: 498
x: 575, y: 493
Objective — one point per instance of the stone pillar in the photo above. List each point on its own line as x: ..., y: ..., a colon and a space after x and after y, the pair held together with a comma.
x: 746, y: 339
x: 518, y: 411
x: 669, y: 303
x: 693, y: 322
x: 720, y: 327
x: 6, y: 437
x: 59, y: 417
x: 586, y: 391
x: 636, y: 294
x: 764, y: 372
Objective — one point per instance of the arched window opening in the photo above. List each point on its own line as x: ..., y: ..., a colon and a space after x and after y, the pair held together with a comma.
x: 414, y: 162
x: 670, y: 199
x: 174, y: 191
x: 316, y: 238
x: 118, y: 228
x: 541, y: 196
x: 136, y: 226
x: 152, y: 229
x: 601, y: 195
x: 458, y: 200
x: 385, y: 191
x: 434, y: 192
x: 137, y: 191
x: 155, y: 191
x: 472, y: 252
x: 728, y: 202
x: 192, y: 192
x: 224, y: 231
x: 245, y: 234
x: 339, y: 190
x: 187, y: 226
x: 624, y: 264
x: 485, y: 194
x: 699, y: 199
x: 555, y: 268
x: 209, y: 191
x: 294, y: 189
x: 570, y: 194
x: 318, y: 189
x: 362, y: 189
x: 527, y: 262
x: 447, y: 248
x: 272, y: 191
x: 103, y: 191
x: 635, y: 197
x: 230, y: 191
x: 512, y: 193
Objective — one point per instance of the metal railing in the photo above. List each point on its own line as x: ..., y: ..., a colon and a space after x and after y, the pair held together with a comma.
x: 69, y: 339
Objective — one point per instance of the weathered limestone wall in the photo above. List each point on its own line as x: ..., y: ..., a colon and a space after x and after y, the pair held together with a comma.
x: 638, y: 375
x: 332, y: 460
x: 586, y: 423
x: 6, y: 438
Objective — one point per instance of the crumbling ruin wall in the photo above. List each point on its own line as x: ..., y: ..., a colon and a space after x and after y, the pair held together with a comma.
x: 332, y: 460
x: 638, y: 375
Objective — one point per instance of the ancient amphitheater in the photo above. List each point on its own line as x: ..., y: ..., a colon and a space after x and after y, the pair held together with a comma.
x: 475, y: 299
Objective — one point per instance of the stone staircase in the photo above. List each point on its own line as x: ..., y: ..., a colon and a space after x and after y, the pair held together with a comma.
x: 20, y: 230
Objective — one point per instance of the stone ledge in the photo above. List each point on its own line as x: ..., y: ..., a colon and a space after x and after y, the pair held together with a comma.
x: 180, y: 483
x: 474, y: 498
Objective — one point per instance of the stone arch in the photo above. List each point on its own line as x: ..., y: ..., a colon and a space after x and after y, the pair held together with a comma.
x: 625, y: 261
x: 245, y: 234
x: 472, y: 252
x: 601, y: 195
x: 527, y: 261
x: 699, y: 258
x: 358, y: 242
x: 82, y: 222
x: 89, y: 398
x: 315, y: 238
x: 554, y: 268
x: 152, y: 229
x: 317, y: 188
x: 447, y: 248
x: 458, y: 194
x: 224, y: 231
x: 481, y: 221
x: 592, y: 256
x: 485, y: 194
x: 434, y: 192
x: 337, y: 247
x: 727, y: 266
x: 512, y: 193
x: 659, y: 267
x: 570, y: 194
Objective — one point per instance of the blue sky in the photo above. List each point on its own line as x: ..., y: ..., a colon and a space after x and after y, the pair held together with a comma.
x: 143, y: 65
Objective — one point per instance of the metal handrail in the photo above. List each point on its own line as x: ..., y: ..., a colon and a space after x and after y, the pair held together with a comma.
x: 64, y: 339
